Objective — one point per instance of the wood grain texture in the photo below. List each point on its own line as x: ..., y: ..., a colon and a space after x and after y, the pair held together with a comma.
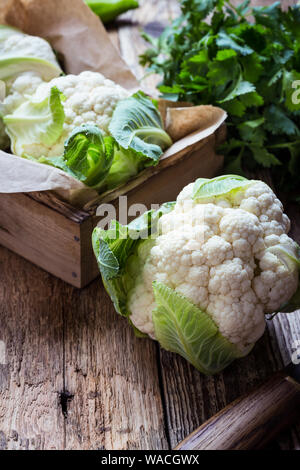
x: 48, y: 237
x: 113, y: 377
x: 31, y: 363
x: 251, y: 421
x: 74, y: 375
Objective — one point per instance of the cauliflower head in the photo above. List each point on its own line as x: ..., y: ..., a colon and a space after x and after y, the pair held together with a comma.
x: 88, y: 98
x: 20, y: 52
x: 215, y: 253
x: 25, y: 62
x: 85, y: 125
x: 221, y: 252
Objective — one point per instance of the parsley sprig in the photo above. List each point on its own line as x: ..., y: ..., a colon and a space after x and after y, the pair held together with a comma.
x: 247, y: 61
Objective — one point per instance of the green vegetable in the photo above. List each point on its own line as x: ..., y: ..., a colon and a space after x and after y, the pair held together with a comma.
x: 180, y: 326
x: 125, y: 166
x: 185, y: 281
x: 137, y: 138
x: 108, y: 10
x: 137, y: 126
x: 113, y: 249
x: 183, y: 328
x: 25, y: 53
x: 88, y: 156
x: 36, y: 121
x: 138, y: 129
x: 249, y: 68
x: 219, y: 186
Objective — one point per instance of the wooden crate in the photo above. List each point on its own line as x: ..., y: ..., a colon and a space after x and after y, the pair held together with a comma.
x: 57, y: 237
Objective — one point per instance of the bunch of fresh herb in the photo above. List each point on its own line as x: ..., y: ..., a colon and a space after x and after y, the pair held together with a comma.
x: 247, y: 61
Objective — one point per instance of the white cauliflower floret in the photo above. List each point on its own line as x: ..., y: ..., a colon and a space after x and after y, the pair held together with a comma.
x: 260, y: 200
x: 229, y: 277
x: 275, y: 284
x: 143, y: 302
x: 237, y: 224
x: 216, y: 250
x: 90, y: 98
x: 215, y: 253
x: 25, y: 84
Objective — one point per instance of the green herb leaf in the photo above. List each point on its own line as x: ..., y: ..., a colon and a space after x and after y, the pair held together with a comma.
x: 277, y: 121
x: 225, y: 54
x: 262, y: 156
x: 231, y: 41
x: 250, y: 67
x: 291, y: 89
x: 241, y: 87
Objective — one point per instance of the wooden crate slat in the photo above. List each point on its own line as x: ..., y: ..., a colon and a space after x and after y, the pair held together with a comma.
x: 41, y: 234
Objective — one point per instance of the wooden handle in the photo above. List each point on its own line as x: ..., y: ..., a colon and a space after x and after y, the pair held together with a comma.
x: 250, y: 421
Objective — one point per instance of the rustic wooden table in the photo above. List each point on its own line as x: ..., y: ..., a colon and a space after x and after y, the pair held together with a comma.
x: 72, y: 373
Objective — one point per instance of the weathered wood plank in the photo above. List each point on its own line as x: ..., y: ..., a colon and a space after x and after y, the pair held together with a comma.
x: 31, y: 357
x: 112, y: 376
x: 191, y: 398
x: 67, y: 351
x: 151, y: 16
x: 28, y: 226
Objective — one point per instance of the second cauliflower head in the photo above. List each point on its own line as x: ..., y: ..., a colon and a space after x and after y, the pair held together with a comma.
x: 221, y: 249
x: 25, y: 62
x: 87, y: 98
x: 20, y: 52
x: 85, y: 125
